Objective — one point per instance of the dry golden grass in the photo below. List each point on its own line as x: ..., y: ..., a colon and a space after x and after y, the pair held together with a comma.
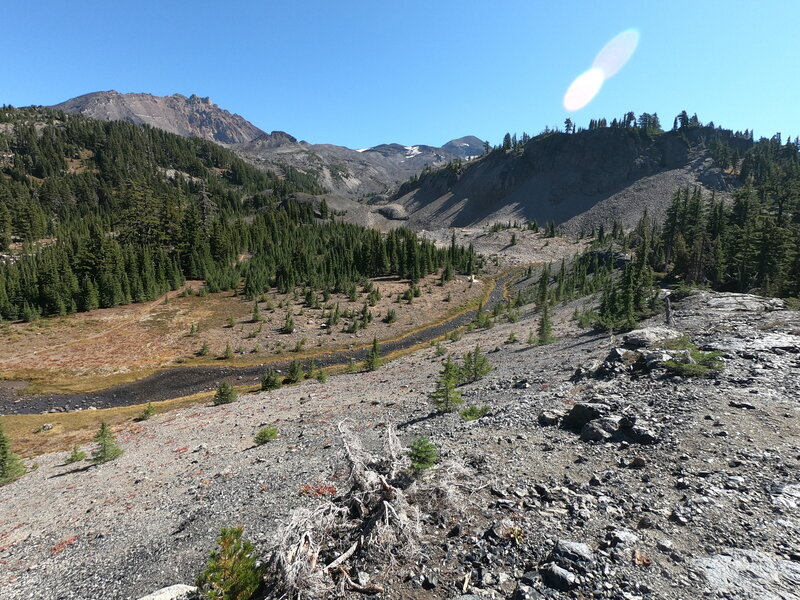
x: 91, y: 351
x: 80, y: 427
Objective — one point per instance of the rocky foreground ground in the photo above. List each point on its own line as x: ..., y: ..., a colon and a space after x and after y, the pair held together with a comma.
x: 596, y: 474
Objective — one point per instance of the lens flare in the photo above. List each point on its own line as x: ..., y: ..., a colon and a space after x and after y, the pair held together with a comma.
x: 616, y: 53
x: 608, y: 62
x: 583, y: 89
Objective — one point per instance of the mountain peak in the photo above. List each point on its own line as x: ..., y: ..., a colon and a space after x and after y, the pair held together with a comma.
x: 195, y: 116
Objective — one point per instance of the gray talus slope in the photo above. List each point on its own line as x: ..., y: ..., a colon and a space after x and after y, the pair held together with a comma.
x: 579, y: 180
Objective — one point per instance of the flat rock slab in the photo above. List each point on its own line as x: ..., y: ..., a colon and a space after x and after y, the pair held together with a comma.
x: 173, y: 592
x: 650, y: 336
x: 729, y: 302
x: 751, y: 574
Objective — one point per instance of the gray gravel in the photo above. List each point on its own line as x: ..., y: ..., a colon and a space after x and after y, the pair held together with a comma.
x: 709, y: 507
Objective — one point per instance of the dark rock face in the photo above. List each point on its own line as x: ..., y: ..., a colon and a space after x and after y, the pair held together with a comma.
x: 190, y: 117
x: 609, y: 173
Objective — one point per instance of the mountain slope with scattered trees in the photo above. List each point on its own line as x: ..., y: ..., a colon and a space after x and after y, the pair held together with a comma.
x: 578, y: 177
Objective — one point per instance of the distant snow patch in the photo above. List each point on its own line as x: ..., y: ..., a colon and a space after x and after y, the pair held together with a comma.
x: 362, y: 149
x: 412, y: 151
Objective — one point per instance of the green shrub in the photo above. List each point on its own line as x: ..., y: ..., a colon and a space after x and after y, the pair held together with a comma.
x: 10, y: 464
x: 322, y: 376
x: 270, y: 380
x: 233, y: 571
x: 446, y: 398
x: 373, y: 360
x: 391, y: 316
x: 295, y: 373
x: 225, y: 394
x: 423, y: 454
x: 148, y: 412
x: 474, y: 412
x: 203, y: 349
x: 107, y: 448
x: 77, y: 455
x: 266, y: 434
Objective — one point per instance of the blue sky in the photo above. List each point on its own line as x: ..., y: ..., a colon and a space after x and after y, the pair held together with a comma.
x: 359, y: 73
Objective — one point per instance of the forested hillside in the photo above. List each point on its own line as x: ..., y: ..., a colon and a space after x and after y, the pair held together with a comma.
x: 97, y: 214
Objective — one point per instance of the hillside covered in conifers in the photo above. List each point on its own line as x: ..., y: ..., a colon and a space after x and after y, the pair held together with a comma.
x: 99, y: 214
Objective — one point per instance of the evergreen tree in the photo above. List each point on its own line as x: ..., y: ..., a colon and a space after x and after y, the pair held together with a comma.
x: 475, y: 366
x: 225, y: 394
x: 373, y: 360
x: 446, y: 398
x: 107, y: 448
x: 10, y: 465
x: 295, y: 373
x: 234, y: 571
x: 270, y: 380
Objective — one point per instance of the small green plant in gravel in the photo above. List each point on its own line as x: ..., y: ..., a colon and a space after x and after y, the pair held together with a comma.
x: 10, y: 464
x: 148, y: 412
x: 423, y: 454
x: 446, y: 398
x: 701, y: 364
x: 234, y: 571
x: 266, y: 434
x: 295, y: 374
x: 77, y: 455
x: 270, y: 380
x: 474, y: 412
x: 107, y: 448
x: 225, y: 394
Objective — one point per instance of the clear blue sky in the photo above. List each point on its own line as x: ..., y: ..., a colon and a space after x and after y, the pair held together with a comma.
x: 364, y: 72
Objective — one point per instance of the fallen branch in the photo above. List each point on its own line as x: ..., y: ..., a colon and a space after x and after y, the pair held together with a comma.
x: 364, y: 589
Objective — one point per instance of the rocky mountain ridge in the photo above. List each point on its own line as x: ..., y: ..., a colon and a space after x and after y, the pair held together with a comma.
x: 190, y: 117
x: 343, y: 171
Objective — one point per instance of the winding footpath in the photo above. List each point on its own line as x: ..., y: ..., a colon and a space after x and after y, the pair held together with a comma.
x: 178, y: 382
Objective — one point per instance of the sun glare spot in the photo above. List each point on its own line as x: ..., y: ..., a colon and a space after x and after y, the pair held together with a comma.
x: 583, y: 89
x: 616, y: 53
x: 608, y: 62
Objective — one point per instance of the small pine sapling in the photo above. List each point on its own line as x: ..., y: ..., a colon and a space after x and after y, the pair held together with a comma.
x: 270, y: 380
x: 77, y: 455
x: 234, y: 571
x: 11, y: 467
x: 148, y: 412
x: 265, y: 434
x: 446, y: 398
x: 107, y: 448
x: 423, y: 454
x: 225, y: 394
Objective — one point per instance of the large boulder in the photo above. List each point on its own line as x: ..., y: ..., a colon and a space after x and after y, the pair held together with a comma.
x: 650, y: 336
x: 583, y: 412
